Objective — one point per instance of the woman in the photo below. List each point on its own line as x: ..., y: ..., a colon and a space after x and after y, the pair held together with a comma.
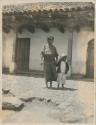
x: 50, y: 57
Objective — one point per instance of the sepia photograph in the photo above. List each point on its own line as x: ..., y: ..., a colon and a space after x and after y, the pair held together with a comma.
x: 48, y: 63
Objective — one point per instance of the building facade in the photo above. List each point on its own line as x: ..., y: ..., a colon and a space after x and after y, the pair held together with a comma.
x: 25, y: 36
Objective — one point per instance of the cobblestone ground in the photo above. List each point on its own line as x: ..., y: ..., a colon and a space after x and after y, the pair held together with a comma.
x: 74, y: 103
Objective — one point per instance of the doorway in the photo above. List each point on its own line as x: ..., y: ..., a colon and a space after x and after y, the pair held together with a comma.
x: 22, y: 53
x: 90, y: 59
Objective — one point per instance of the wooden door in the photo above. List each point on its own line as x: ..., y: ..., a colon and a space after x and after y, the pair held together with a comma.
x: 22, y: 54
x: 90, y: 60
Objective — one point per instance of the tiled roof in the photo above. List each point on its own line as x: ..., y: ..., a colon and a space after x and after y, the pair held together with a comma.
x: 44, y: 6
x: 25, y: 15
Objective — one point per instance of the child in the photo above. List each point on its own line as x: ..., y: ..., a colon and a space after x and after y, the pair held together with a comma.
x: 62, y: 70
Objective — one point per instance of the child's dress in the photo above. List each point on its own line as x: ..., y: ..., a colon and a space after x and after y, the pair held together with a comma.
x: 62, y: 69
x: 61, y: 75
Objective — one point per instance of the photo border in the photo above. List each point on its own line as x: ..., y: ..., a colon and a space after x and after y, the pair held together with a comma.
x: 4, y: 2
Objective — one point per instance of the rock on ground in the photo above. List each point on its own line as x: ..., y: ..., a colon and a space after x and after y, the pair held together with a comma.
x: 12, y: 103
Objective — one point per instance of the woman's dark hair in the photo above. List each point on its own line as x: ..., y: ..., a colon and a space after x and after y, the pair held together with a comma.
x: 50, y: 38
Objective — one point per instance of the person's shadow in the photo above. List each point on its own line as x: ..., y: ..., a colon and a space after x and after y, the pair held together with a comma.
x: 64, y: 88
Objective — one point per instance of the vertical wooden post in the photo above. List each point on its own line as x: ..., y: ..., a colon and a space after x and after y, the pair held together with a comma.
x: 70, y: 42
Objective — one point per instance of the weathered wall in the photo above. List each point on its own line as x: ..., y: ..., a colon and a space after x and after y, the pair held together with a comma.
x: 38, y: 39
x: 79, y: 51
x: 8, y: 43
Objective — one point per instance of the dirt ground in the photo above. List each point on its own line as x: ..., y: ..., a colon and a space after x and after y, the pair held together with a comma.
x: 73, y: 104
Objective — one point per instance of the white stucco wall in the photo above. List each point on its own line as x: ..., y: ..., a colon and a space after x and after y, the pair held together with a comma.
x: 38, y: 39
x: 79, y: 51
x: 8, y: 41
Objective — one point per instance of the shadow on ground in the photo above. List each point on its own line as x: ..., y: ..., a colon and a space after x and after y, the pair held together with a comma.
x: 65, y: 88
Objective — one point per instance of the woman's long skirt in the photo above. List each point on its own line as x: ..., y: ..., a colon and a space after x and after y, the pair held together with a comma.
x: 50, y: 71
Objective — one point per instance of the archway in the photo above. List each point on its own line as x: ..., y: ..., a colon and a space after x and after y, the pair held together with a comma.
x: 90, y: 59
